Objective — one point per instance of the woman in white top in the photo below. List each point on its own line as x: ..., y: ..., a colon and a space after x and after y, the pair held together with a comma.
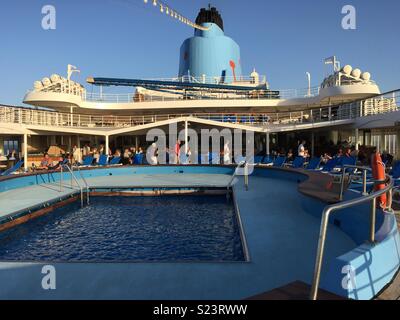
x: 227, y: 153
x: 152, y: 154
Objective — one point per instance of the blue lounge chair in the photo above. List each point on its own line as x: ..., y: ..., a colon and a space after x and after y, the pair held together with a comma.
x: 214, y: 158
x: 330, y: 165
x: 138, y: 159
x: 14, y: 168
x: 240, y: 159
x: 87, y: 161
x: 345, y: 161
x: 103, y: 160
x: 114, y: 161
x: 258, y: 159
x: 298, y: 162
x: 184, y: 159
x: 395, y: 173
x: 268, y: 160
x: 314, y: 164
x: 279, y: 162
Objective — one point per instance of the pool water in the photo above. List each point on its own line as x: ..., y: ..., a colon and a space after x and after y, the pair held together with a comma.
x: 130, y: 229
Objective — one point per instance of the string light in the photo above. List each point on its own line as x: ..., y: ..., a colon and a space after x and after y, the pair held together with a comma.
x: 176, y: 15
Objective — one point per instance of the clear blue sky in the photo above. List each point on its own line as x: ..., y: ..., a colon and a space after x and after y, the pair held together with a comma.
x: 126, y: 38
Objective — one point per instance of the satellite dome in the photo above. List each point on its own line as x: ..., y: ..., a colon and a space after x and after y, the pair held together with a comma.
x: 46, y: 81
x: 356, y: 73
x: 55, y: 78
x: 366, y: 76
x: 38, y: 85
x: 347, y: 69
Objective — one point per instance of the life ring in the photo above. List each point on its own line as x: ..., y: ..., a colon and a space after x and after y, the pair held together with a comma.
x: 378, y: 173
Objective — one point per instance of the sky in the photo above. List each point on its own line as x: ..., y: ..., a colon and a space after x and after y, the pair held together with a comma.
x: 130, y: 39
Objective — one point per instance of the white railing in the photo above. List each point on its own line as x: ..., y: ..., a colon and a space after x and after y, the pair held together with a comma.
x: 388, y: 102
x: 148, y: 97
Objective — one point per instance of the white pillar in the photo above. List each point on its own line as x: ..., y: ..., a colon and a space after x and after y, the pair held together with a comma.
x: 357, y: 137
x: 267, y: 150
x: 25, y: 152
x: 107, y: 144
x: 72, y: 115
x: 186, y: 137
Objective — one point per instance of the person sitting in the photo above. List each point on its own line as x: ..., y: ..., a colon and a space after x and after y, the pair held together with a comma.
x: 290, y: 155
x: 325, y: 158
x: 126, y: 159
x: 45, y: 163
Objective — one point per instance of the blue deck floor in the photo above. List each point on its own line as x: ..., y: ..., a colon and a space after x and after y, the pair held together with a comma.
x: 281, y: 238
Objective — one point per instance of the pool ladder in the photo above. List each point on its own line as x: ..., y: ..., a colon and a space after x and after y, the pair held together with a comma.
x: 74, y: 178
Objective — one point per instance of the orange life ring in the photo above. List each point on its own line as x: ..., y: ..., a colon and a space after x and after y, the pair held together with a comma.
x: 378, y: 173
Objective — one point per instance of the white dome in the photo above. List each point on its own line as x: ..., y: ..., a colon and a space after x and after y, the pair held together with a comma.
x: 46, y: 81
x: 38, y: 85
x: 356, y: 73
x: 366, y: 76
x: 254, y: 73
x: 347, y: 69
x: 55, y: 78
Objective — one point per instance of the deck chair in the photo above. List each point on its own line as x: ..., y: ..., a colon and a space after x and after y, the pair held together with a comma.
x: 298, y: 162
x: 115, y: 161
x: 14, y: 168
x: 214, y: 158
x: 268, y: 160
x: 314, y: 164
x: 103, y: 160
x: 138, y: 159
x: 279, y: 161
x: 345, y: 161
x: 184, y: 159
x: 87, y: 161
x: 330, y: 165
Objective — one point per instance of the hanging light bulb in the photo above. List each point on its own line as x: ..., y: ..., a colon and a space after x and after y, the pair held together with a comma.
x: 154, y: 2
x: 161, y: 8
x: 166, y: 10
x: 145, y: 1
x: 172, y: 13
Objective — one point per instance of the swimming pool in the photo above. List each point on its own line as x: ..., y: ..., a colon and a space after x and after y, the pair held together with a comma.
x: 130, y: 229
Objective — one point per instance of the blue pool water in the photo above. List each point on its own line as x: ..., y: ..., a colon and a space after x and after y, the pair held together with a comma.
x: 122, y: 229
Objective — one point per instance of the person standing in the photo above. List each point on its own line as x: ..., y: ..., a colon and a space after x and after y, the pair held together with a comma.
x: 177, y: 151
x: 77, y: 154
x: 227, y: 153
x: 152, y: 154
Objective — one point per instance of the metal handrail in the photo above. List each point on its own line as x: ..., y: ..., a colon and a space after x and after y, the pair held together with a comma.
x: 86, y: 184
x: 324, y: 225
x: 74, y: 178
x: 363, y: 169
x: 241, y: 163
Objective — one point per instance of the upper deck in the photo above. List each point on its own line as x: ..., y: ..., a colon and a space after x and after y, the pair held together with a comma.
x: 193, y: 95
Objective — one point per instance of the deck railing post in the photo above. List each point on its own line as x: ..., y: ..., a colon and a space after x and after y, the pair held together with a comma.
x: 373, y: 221
x: 320, y: 255
x: 365, y: 183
